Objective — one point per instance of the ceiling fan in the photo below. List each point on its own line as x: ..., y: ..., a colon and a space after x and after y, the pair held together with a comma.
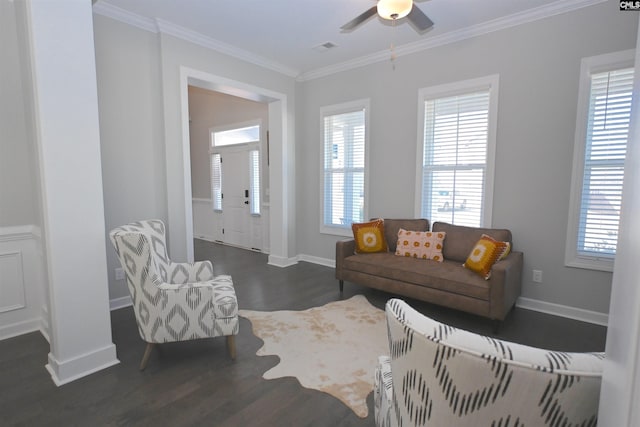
x: 393, y: 10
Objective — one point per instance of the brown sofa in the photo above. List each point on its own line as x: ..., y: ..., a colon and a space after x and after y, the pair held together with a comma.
x: 447, y: 283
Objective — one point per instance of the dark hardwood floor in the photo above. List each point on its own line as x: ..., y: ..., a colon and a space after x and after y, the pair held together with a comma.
x: 195, y: 383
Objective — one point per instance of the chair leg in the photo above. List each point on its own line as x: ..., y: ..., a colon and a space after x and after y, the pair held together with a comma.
x: 341, y: 283
x: 231, y: 346
x: 145, y: 357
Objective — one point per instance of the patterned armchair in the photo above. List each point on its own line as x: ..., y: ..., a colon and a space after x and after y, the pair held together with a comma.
x: 438, y: 375
x: 173, y: 301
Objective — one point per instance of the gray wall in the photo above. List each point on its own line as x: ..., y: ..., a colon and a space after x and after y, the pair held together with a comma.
x: 538, y: 64
x: 18, y: 204
x: 132, y: 138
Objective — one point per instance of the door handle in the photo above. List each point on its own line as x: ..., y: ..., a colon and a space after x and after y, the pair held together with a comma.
x: 246, y: 193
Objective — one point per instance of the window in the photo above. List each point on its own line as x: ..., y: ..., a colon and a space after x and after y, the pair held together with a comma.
x: 254, y: 182
x: 236, y: 135
x: 216, y: 182
x: 344, y: 175
x: 602, y: 127
x: 456, y: 152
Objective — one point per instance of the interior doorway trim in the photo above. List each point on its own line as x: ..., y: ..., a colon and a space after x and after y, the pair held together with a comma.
x: 279, y: 173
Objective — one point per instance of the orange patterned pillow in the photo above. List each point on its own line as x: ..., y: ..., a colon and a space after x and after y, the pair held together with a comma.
x: 420, y: 244
x: 485, y: 253
x: 369, y: 236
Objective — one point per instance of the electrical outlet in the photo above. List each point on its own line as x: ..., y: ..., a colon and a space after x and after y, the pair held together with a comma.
x: 119, y: 274
x: 537, y: 276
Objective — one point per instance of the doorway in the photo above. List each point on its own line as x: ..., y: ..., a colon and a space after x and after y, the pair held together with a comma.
x: 229, y: 177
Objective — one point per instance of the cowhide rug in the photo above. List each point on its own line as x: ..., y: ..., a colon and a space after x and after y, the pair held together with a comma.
x: 333, y: 348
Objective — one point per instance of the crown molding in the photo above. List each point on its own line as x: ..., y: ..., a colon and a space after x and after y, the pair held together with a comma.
x: 194, y: 37
x: 119, y: 14
x: 165, y: 27
x: 531, y: 15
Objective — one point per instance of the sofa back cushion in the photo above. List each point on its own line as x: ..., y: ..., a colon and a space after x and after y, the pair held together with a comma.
x: 392, y: 226
x: 460, y: 240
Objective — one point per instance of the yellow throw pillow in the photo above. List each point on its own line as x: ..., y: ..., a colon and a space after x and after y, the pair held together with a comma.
x: 485, y: 253
x: 369, y: 237
x: 420, y: 244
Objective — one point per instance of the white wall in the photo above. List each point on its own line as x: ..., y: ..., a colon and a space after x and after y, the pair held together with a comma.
x: 17, y: 206
x: 182, y: 60
x: 22, y: 305
x: 131, y: 133
x: 538, y: 64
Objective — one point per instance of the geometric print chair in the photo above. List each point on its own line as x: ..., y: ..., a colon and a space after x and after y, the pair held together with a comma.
x: 438, y: 375
x: 173, y: 301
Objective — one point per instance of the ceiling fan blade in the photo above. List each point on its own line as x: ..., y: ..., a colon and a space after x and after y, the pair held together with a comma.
x: 419, y: 20
x: 360, y: 19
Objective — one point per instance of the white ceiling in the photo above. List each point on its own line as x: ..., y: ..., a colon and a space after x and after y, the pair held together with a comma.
x: 282, y: 34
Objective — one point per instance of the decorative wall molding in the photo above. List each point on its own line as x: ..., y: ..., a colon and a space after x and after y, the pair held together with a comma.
x: 21, y: 232
x: 21, y: 284
x: 11, y: 281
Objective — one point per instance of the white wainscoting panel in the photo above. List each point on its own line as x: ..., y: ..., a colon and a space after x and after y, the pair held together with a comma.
x: 11, y: 282
x: 21, y: 286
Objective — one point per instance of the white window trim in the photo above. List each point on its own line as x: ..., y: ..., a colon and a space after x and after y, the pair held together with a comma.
x: 232, y: 126
x: 346, y: 107
x: 490, y: 82
x: 588, y: 66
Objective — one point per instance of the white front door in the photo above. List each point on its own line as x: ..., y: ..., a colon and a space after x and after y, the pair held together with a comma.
x: 236, y: 215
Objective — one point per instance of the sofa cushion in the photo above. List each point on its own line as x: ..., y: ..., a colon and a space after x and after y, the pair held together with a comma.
x: 369, y: 236
x: 447, y: 276
x: 420, y: 244
x: 392, y: 226
x: 484, y: 254
x: 460, y: 240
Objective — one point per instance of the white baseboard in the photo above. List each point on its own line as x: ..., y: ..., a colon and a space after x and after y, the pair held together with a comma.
x: 66, y: 371
x: 317, y: 260
x: 19, y: 328
x: 564, y: 311
x: 121, y: 302
x: 283, y: 262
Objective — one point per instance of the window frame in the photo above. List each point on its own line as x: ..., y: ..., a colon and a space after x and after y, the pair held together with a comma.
x: 588, y: 67
x: 331, y: 110
x: 490, y: 83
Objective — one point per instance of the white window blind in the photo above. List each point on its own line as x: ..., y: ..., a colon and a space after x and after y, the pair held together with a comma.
x: 454, y: 164
x: 605, y: 150
x: 216, y: 181
x: 344, y: 138
x: 254, y: 182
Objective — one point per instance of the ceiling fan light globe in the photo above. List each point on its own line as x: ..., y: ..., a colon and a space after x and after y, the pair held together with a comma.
x: 394, y: 9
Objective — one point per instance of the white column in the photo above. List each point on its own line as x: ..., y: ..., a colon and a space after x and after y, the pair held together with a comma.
x: 62, y: 60
x: 620, y: 392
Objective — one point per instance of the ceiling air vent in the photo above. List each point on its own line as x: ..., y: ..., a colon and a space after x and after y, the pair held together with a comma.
x: 325, y: 46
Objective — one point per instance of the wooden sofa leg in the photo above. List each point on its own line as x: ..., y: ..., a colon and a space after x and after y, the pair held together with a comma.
x: 231, y: 346
x: 145, y: 356
x: 341, y: 286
